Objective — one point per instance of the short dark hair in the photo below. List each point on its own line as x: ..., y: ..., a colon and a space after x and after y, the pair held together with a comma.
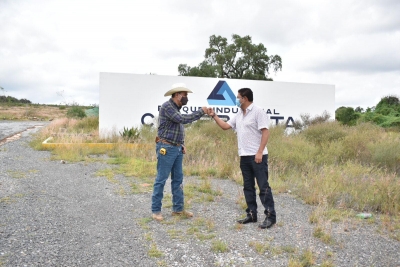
x: 246, y: 92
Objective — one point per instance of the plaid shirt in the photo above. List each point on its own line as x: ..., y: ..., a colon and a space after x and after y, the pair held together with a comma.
x: 171, y: 122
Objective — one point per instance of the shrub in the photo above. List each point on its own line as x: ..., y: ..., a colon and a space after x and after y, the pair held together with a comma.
x: 131, y: 134
x: 76, y: 112
x: 307, y: 120
x: 324, y: 133
x: 87, y: 125
x: 386, y: 154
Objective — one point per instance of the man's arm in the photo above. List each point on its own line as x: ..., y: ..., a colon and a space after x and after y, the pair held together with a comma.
x: 224, y: 125
x: 177, y: 117
x: 264, y: 141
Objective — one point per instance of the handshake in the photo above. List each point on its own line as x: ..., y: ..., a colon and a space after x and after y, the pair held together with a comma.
x: 209, y: 111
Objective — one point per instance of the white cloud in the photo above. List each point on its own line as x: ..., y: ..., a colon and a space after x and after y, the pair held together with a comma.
x: 53, y: 46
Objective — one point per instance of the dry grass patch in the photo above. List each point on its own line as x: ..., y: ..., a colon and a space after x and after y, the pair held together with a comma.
x: 29, y: 111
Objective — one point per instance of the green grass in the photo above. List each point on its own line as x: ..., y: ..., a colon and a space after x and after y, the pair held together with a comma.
x: 203, y: 229
x: 143, y: 222
x: 202, y: 236
x: 109, y: 174
x: 17, y: 174
x: 323, y: 235
x: 259, y: 247
x: 6, y: 200
x: 11, y: 198
x: 154, y: 252
x: 200, y: 191
x: 219, y: 246
x: 175, y: 234
x: 305, y: 259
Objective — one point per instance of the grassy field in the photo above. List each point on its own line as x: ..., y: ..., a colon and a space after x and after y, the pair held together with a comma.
x: 341, y: 170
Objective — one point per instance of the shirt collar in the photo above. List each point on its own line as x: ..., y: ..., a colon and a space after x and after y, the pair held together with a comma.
x: 250, y: 107
x: 172, y: 101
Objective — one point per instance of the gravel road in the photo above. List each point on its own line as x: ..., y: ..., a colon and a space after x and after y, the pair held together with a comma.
x: 55, y: 214
x: 10, y: 128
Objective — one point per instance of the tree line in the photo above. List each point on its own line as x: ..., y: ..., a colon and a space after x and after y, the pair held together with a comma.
x: 385, y: 114
x: 10, y: 99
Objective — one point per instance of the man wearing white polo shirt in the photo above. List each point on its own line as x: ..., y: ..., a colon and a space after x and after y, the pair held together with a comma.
x: 251, y: 125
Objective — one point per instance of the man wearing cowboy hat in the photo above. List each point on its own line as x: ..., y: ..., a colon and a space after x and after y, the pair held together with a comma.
x: 170, y: 149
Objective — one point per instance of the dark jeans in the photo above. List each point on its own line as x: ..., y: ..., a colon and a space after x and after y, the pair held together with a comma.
x: 251, y: 169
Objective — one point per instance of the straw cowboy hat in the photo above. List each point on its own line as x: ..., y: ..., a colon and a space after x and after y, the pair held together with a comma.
x: 178, y: 87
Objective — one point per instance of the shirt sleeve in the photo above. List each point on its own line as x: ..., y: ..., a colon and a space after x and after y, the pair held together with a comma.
x: 175, y: 116
x: 232, y: 123
x: 262, y: 119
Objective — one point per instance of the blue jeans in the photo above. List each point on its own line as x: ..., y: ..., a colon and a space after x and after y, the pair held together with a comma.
x: 170, y: 163
x: 259, y: 171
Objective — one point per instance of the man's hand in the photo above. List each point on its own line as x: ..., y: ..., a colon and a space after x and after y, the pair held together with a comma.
x: 205, y: 109
x: 210, y: 112
x: 183, y: 149
x: 258, y: 157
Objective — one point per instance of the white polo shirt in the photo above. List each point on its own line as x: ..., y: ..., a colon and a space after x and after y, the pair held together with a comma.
x: 248, y: 129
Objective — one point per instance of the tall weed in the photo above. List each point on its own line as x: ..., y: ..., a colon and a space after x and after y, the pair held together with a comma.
x: 323, y: 133
x: 355, y: 145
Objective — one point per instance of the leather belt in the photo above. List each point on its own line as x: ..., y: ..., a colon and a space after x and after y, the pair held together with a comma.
x: 168, y: 143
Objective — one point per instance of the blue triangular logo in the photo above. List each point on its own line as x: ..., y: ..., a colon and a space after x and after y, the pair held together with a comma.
x: 222, y: 95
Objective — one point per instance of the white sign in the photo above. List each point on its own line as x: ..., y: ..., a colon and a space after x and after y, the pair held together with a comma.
x: 131, y: 100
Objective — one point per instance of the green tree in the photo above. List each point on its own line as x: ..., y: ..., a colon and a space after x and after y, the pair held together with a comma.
x: 346, y: 115
x: 389, y: 100
x: 240, y: 60
x: 389, y: 105
x: 359, y: 110
x: 204, y: 69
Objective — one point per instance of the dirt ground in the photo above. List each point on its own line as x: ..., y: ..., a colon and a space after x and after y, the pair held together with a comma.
x: 32, y: 112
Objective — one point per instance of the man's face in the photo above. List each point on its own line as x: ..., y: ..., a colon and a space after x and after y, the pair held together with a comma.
x: 183, y: 98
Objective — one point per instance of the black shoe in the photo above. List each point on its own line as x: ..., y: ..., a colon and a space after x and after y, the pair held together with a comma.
x: 267, y: 223
x: 248, y: 219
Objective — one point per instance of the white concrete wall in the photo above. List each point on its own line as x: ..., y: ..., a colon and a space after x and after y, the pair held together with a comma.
x: 127, y: 100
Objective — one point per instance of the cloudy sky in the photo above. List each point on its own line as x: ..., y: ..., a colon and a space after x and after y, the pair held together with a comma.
x: 52, y: 51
